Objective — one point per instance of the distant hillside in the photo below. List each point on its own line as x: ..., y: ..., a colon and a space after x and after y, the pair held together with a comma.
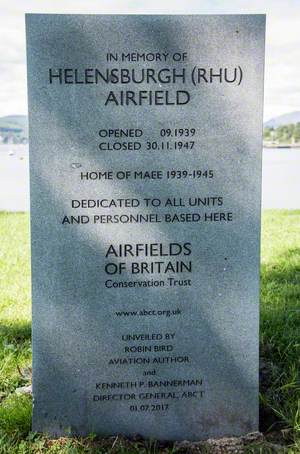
x: 283, y: 131
x: 20, y: 121
x: 282, y: 120
x: 14, y: 129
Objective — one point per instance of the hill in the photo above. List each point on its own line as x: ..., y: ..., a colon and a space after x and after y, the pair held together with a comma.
x: 14, y: 128
x: 282, y: 120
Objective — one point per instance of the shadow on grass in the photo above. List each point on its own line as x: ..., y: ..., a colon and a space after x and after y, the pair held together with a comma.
x: 285, y: 271
x: 280, y: 336
x: 16, y: 331
x: 15, y: 415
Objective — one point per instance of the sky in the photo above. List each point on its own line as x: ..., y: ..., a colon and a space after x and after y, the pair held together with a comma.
x: 282, y: 80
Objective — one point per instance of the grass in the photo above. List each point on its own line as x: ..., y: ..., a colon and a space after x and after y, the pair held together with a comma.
x: 280, y: 321
x: 280, y: 342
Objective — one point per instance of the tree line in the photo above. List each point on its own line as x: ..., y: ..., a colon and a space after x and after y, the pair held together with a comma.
x: 283, y: 134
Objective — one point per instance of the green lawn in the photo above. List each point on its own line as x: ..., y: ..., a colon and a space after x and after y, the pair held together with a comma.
x: 280, y: 341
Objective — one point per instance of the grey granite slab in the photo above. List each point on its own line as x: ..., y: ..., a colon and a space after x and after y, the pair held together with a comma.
x: 145, y: 170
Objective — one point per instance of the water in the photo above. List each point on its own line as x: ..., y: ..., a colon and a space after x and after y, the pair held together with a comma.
x: 280, y: 188
x: 14, y: 178
x: 281, y: 178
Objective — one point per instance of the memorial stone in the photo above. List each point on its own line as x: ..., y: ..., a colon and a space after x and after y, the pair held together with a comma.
x: 145, y: 169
